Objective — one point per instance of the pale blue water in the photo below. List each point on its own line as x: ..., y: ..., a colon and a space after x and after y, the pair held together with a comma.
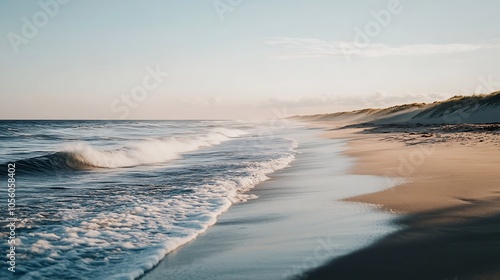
x: 298, y: 223
x: 109, y: 199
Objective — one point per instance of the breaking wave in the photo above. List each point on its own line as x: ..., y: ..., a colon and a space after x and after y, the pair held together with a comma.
x: 82, y: 156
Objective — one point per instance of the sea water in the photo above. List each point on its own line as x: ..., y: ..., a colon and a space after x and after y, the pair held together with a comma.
x: 109, y: 199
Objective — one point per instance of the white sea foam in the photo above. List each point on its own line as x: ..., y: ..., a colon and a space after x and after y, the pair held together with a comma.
x: 82, y: 155
x: 148, y: 231
x: 120, y: 223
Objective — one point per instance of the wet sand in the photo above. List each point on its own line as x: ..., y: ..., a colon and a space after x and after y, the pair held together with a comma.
x: 299, y: 221
x: 449, y: 205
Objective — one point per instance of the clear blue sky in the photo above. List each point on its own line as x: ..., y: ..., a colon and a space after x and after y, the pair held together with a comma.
x: 252, y: 60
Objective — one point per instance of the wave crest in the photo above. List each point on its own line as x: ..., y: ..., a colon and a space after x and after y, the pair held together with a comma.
x: 82, y: 156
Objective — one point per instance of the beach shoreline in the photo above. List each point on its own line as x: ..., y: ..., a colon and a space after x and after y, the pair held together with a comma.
x: 448, y: 201
x: 285, y: 232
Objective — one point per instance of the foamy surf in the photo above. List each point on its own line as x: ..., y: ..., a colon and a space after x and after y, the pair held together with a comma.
x: 119, y: 224
x: 225, y: 193
x: 157, y: 227
x: 81, y: 156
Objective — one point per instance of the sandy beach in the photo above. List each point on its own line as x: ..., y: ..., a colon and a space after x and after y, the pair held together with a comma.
x: 449, y: 204
x: 250, y: 140
x: 286, y: 231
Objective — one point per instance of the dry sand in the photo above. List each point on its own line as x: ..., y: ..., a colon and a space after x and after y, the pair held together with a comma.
x: 450, y: 203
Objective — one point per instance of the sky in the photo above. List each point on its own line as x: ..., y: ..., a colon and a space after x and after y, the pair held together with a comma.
x: 240, y: 59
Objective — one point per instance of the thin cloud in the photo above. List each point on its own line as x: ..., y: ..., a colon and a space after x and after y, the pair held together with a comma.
x: 306, y: 48
x: 378, y: 99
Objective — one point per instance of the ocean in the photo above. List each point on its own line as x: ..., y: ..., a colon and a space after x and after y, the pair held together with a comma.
x: 109, y: 199
x: 112, y: 199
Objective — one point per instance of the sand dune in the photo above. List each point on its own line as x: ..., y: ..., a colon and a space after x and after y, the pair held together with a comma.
x: 458, y: 109
x: 448, y: 153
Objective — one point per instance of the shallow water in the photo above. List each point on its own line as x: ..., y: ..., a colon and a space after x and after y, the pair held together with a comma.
x: 298, y: 222
x: 109, y: 199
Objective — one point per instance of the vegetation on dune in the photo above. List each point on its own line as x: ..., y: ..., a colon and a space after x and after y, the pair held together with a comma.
x: 460, y: 103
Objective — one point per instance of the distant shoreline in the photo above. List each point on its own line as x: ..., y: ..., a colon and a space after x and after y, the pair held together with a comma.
x: 475, y: 109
